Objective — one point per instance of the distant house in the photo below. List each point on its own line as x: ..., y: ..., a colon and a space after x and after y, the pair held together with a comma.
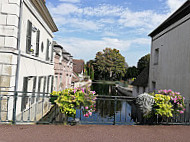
x: 63, y: 67
x: 26, y: 53
x: 140, y: 85
x: 78, y: 68
x: 170, y: 53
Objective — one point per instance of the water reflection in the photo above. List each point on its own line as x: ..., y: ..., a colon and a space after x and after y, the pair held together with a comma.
x: 108, y: 111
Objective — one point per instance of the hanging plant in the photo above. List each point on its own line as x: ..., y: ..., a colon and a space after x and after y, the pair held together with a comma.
x: 69, y: 100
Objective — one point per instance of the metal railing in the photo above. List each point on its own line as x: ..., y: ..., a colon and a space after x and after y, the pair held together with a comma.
x: 110, y: 110
x: 35, y: 107
x: 31, y: 107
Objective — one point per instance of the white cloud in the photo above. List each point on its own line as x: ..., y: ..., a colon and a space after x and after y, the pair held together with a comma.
x: 110, y: 21
x: 87, y: 49
x: 70, y: 1
x: 174, y: 4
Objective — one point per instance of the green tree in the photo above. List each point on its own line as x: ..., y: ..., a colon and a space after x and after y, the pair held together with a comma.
x: 109, y: 65
x: 90, y: 69
x: 143, y: 63
x: 132, y: 72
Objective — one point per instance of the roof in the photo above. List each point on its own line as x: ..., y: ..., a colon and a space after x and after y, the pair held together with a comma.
x: 176, y: 16
x: 142, y: 78
x: 78, y: 66
x: 75, y: 78
x: 44, y: 12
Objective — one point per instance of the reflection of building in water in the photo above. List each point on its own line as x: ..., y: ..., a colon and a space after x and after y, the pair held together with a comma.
x: 26, y: 55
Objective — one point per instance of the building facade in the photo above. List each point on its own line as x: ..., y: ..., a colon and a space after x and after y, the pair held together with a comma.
x: 63, y: 67
x: 26, y: 53
x: 170, y: 53
x: 140, y: 85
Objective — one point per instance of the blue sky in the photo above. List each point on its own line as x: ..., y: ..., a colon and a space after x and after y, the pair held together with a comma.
x: 89, y: 26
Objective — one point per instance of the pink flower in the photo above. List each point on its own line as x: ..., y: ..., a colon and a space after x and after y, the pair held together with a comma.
x: 86, y: 115
x: 183, y: 98
x: 86, y: 107
x: 181, y: 112
x: 184, y: 109
x: 90, y: 113
x: 82, y: 90
x: 93, y: 92
x: 75, y: 91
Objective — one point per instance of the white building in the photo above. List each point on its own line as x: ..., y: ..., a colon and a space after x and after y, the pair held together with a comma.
x: 26, y: 55
x: 170, y: 53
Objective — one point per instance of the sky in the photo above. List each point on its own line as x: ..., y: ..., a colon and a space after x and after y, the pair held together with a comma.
x: 88, y: 26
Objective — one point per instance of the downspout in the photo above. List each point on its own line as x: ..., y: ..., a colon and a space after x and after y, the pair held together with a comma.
x: 18, y: 62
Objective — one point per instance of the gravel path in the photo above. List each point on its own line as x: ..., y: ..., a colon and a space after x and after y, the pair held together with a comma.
x: 93, y: 133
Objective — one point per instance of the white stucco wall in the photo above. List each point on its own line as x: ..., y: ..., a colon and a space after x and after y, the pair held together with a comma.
x: 29, y: 65
x: 173, y: 69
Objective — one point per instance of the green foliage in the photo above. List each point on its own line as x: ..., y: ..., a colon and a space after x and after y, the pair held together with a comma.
x: 90, y: 69
x: 69, y: 100
x: 163, y: 105
x: 132, y: 72
x: 109, y: 65
x: 143, y: 63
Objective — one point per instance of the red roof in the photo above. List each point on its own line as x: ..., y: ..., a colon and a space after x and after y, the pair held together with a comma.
x: 78, y: 66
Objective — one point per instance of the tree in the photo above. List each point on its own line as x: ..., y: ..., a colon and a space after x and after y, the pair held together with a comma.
x: 90, y: 69
x: 109, y: 65
x: 143, y: 63
x: 132, y: 72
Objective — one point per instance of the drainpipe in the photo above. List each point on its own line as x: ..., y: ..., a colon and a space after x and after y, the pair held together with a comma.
x: 18, y: 62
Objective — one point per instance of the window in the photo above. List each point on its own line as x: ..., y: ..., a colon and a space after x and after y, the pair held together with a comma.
x: 33, y: 90
x: 52, y: 52
x: 48, y: 84
x: 29, y: 37
x: 37, y: 43
x: 156, y: 56
x: 52, y: 79
x: 40, y: 81
x: 144, y: 89
x: 153, y: 85
x: 137, y: 89
x: 47, y: 51
x: 42, y: 47
x: 25, y: 90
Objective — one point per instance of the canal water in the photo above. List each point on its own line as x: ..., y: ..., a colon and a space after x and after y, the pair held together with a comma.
x: 108, y: 110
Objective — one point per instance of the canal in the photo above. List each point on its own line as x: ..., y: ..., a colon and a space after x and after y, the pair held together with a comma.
x: 110, y: 108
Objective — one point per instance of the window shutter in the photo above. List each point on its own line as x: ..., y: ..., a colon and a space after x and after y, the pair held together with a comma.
x: 34, y: 90
x: 37, y: 43
x: 44, y: 87
x: 28, y: 37
x: 47, y: 51
x: 25, y: 90
x: 48, y: 81
x: 52, y: 80
x: 52, y: 52
x: 39, y: 87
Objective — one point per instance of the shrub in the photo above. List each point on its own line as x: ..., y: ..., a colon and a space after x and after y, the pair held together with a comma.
x: 69, y: 100
x: 165, y: 103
